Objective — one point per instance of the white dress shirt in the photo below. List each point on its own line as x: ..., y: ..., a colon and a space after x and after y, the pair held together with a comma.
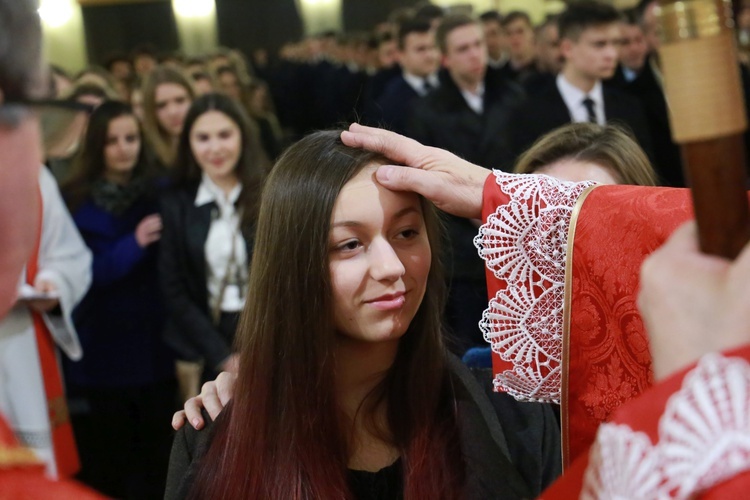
x: 222, y: 234
x: 573, y: 97
x: 475, y: 100
x: 417, y: 82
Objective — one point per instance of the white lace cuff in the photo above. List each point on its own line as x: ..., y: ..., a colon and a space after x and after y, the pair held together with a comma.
x: 524, y: 244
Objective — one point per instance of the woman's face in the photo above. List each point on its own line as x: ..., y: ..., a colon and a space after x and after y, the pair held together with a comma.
x: 379, y: 258
x: 122, y: 146
x: 230, y: 85
x: 216, y: 143
x: 172, y: 102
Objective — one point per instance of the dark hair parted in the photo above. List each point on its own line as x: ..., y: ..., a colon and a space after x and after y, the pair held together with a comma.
x: 409, y: 27
x: 491, y: 16
x: 252, y: 164
x: 609, y: 146
x: 514, y: 16
x: 88, y: 165
x: 447, y: 25
x: 284, y: 434
x: 579, y: 16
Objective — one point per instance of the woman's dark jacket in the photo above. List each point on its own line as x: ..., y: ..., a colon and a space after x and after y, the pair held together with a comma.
x: 182, y: 269
x: 121, y: 319
x: 511, y: 449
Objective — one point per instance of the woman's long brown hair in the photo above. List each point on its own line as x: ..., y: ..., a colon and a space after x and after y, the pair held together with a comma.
x: 282, y: 436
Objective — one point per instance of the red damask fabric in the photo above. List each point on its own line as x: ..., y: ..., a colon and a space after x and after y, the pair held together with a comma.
x: 607, y: 361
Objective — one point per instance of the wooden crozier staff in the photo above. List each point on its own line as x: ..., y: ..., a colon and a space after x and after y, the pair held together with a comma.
x: 707, y: 115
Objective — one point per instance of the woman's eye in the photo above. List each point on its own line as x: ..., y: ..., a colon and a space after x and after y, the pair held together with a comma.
x: 407, y: 234
x: 349, y: 246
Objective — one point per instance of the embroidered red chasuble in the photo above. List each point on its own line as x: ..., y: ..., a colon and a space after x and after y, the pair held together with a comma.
x: 563, y: 261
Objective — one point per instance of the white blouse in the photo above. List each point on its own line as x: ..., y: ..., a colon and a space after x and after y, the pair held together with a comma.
x: 224, y: 233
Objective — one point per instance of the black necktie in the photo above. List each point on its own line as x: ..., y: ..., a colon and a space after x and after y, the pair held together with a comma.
x: 589, y: 104
x: 427, y: 86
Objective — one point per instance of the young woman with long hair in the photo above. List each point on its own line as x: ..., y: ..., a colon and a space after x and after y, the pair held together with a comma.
x: 167, y: 94
x: 124, y: 386
x: 209, y: 217
x: 344, y: 388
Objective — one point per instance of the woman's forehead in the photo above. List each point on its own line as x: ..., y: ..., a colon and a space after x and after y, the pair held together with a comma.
x: 364, y: 196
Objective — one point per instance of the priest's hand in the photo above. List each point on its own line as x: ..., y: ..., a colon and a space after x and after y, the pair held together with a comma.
x: 214, y: 397
x: 452, y: 184
x: 693, y: 303
x: 48, y: 297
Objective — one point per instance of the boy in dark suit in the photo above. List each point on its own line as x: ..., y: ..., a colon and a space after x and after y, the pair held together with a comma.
x: 419, y: 60
x: 589, y: 40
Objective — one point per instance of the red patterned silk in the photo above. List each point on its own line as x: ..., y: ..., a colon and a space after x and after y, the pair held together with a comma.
x: 606, y: 360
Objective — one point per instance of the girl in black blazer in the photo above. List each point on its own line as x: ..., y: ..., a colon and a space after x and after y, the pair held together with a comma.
x: 208, y: 218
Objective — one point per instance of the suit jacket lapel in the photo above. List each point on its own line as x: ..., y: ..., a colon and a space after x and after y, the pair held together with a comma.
x: 198, y: 222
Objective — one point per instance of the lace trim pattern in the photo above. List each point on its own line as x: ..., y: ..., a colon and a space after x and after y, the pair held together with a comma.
x: 524, y: 244
x: 704, y: 438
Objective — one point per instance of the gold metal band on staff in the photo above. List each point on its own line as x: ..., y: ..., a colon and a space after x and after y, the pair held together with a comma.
x: 693, y: 19
x: 700, y: 68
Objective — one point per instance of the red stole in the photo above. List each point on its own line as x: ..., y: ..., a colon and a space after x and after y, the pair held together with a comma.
x: 63, y: 442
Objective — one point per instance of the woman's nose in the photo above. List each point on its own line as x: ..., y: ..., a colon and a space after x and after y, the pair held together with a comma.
x: 385, y: 263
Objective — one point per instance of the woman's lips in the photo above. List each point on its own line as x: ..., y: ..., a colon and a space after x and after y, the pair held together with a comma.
x: 389, y: 302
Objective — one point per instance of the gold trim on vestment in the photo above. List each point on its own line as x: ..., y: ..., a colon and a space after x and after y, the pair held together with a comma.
x: 566, y: 323
x: 16, y: 456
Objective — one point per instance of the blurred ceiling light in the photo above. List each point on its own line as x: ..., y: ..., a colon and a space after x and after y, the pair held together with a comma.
x: 193, y: 8
x: 55, y: 13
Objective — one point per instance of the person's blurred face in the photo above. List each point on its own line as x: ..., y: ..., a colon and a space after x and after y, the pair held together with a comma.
x: 520, y: 39
x: 19, y: 187
x: 572, y: 170
x: 216, y: 143
x: 495, y: 38
x: 651, y: 28
x: 121, y: 70
x: 387, y: 53
x: 633, y: 47
x: 420, y: 56
x: 230, y: 85
x: 144, y: 64
x: 122, y: 147
x: 172, y: 102
x: 548, y: 54
x: 202, y: 86
x: 379, y: 260
x: 466, y: 54
x: 594, y: 55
